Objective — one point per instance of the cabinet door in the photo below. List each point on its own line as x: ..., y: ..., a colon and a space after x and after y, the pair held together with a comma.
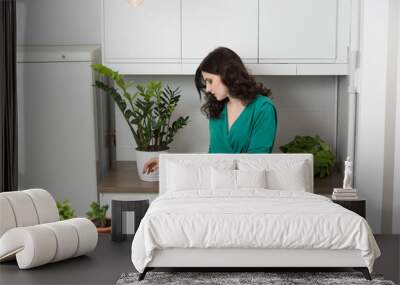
x: 208, y: 24
x: 148, y: 33
x: 58, y: 130
x: 309, y: 31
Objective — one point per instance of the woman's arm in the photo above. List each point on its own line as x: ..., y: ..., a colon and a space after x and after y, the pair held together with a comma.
x: 264, y: 132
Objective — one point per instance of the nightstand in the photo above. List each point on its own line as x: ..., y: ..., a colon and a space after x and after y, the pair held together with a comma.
x: 358, y: 206
x: 139, y: 207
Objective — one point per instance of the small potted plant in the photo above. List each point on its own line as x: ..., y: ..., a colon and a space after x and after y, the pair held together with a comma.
x: 147, y: 112
x: 324, y: 159
x: 97, y: 215
x: 65, y: 210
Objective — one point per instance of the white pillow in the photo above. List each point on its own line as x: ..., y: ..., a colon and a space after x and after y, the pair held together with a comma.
x: 280, y: 174
x: 188, y: 175
x: 288, y: 179
x: 251, y: 178
x: 183, y: 177
x: 225, y: 179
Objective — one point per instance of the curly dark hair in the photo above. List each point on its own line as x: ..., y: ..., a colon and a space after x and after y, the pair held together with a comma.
x: 227, y: 64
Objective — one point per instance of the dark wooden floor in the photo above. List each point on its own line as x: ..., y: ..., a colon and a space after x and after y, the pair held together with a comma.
x: 102, y: 266
x: 110, y: 260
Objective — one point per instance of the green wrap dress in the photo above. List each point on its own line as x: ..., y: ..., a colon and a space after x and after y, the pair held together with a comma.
x: 253, y: 131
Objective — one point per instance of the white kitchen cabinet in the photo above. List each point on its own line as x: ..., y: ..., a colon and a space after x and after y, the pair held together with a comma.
x: 208, y: 24
x: 147, y: 34
x: 307, y: 31
x: 56, y: 124
x: 286, y: 37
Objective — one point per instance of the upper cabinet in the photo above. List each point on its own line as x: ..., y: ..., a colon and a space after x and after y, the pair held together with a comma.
x: 306, y: 31
x: 208, y: 24
x: 142, y: 36
x: 285, y: 37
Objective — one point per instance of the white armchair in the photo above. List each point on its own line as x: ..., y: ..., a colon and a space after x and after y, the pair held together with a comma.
x: 31, y: 232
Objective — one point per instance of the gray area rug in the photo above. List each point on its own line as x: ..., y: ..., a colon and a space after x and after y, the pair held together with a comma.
x: 229, y: 278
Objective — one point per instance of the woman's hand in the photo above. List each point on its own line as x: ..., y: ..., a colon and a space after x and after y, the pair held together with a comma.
x: 151, y: 165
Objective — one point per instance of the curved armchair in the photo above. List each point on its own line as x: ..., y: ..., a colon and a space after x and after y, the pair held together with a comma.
x: 31, y: 232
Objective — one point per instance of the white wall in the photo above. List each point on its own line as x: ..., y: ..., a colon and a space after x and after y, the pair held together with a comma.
x: 58, y: 22
x: 396, y: 178
x: 371, y: 108
x: 390, y: 118
x: 374, y: 172
x: 306, y: 106
x: 396, y: 172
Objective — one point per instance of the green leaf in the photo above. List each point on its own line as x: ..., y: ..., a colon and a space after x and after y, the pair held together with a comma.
x: 324, y: 159
x: 65, y: 210
x: 97, y: 212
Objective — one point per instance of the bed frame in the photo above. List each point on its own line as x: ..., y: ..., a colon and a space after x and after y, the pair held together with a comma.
x: 246, y: 258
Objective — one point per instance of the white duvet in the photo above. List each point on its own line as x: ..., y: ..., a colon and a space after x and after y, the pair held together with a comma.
x: 252, y: 218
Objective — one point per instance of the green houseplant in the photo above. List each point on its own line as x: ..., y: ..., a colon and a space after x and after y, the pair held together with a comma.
x: 324, y: 159
x: 97, y: 215
x: 148, y: 113
x: 65, y: 210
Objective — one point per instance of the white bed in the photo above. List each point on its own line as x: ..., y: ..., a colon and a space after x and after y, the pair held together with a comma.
x: 247, y: 210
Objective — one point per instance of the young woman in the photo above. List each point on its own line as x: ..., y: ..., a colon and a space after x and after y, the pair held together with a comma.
x: 242, y: 119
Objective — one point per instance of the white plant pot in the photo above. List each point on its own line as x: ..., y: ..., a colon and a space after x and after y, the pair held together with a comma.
x: 141, y: 158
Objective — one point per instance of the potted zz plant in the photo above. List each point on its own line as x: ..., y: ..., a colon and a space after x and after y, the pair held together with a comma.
x: 147, y: 112
x: 97, y: 215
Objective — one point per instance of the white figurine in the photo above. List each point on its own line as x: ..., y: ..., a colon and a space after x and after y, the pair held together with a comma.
x: 347, y: 174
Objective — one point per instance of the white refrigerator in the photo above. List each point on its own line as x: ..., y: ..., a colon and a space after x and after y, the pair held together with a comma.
x: 58, y: 132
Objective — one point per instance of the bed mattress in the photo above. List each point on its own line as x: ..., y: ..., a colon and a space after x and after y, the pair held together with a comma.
x: 250, y: 219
